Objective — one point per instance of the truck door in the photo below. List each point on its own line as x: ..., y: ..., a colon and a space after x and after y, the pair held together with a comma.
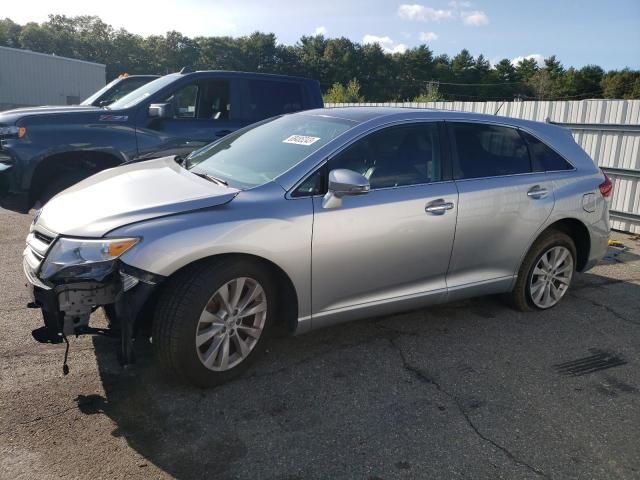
x: 200, y: 112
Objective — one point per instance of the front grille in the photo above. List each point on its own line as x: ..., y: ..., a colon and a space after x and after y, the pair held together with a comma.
x: 38, y: 243
x: 42, y: 237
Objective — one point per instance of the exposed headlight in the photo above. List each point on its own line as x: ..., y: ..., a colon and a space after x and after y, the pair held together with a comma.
x: 75, y: 253
x: 13, y: 131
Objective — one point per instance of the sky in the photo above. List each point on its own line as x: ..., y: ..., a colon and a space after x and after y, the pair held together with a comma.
x: 579, y: 32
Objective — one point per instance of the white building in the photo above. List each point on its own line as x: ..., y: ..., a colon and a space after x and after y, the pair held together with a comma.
x: 29, y: 78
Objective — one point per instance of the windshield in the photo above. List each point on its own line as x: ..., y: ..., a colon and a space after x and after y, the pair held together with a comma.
x: 97, y: 95
x: 252, y: 157
x: 143, y: 92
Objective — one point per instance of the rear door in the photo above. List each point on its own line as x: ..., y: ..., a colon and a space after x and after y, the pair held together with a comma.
x: 502, y: 203
x: 203, y: 111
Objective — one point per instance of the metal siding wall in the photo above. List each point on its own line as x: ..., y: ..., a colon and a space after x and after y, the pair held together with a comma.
x: 608, y: 130
x: 29, y: 78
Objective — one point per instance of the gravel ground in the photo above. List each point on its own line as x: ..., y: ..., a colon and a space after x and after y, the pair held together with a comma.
x: 466, y: 390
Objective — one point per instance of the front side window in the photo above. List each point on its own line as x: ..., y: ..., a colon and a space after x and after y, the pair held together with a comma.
x: 543, y: 157
x: 483, y: 150
x: 184, y: 101
x: 254, y: 156
x: 395, y: 156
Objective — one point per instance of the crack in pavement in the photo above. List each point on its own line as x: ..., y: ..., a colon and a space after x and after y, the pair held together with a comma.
x: 605, y: 283
x: 45, y: 417
x: 424, y: 378
x: 613, y: 312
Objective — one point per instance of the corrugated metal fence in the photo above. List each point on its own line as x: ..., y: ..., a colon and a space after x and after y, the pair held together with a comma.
x: 608, y: 130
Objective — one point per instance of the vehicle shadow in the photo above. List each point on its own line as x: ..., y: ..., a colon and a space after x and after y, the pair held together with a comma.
x: 222, y: 432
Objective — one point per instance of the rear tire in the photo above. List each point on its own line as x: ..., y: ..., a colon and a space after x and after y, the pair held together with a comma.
x: 213, y: 297
x: 533, y: 275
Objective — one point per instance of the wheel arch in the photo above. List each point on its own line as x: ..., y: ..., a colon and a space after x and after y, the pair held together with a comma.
x: 58, y: 164
x: 579, y: 233
x: 287, y: 301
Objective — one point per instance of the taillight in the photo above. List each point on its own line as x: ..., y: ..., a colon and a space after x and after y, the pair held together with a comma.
x: 606, y: 187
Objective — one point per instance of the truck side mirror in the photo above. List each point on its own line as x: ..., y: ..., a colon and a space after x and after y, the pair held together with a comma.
x: 161, y: 110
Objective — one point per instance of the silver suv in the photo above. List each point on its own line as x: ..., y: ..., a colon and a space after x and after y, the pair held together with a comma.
x: 312, y: 219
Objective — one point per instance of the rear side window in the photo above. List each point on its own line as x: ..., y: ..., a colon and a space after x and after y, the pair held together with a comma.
x: 543, y: 157
x: 482, y: 150
x: 268, y: 98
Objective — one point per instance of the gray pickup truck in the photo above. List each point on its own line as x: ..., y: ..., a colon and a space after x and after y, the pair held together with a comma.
x: 44, y: 150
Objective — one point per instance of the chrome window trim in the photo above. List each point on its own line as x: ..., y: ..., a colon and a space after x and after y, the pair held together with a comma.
x: 503, y: 176
x: 320, y: 195
x: 343, y: 147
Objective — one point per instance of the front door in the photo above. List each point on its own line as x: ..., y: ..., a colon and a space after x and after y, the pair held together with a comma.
x: 389, y: 248
x: 202, y: 113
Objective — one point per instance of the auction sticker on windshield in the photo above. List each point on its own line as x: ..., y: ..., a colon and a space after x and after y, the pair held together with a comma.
x: 301, y: 140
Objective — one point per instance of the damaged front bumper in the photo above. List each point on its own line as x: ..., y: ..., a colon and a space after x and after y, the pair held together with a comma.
x: 67, y: 305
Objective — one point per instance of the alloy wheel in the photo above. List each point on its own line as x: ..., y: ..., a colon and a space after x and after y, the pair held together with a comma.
x: 551, y: 277
x: 231, y: 324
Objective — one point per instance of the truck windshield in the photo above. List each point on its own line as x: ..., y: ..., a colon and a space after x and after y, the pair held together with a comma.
x: 143, y: 92
x: 257, y: 155
x: 100, y: 92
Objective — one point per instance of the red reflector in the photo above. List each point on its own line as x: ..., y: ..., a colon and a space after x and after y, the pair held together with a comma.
x: 606, y: 187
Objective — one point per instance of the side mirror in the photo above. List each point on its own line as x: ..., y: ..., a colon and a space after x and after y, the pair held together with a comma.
x: 343, y: 182
x: 104, y: 103
x: 160, y: 110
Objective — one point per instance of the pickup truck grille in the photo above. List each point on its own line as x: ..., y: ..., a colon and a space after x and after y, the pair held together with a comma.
x: 38, y: 243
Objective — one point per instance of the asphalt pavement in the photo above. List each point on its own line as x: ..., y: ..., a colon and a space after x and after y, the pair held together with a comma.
x: 465, y: 390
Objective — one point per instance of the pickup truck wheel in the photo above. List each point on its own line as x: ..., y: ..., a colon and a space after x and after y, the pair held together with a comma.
x: 546, y: 272
x: 213, y: 321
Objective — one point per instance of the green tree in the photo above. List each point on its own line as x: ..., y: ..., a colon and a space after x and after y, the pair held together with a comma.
x: 412, y: 68
x: 526, y: 69
x: 10, y: 33
x: 349, y: 93
x: 621, y: 84
x: 34, y: 37
x: 542, y: 85
x: 462, y: 63
x: 553, y: 66
x: 332, y: 61
x: 430, y: 94
x: 505, y: 71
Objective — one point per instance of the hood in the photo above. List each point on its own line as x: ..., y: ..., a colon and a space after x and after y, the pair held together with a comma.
x: 127, y: 194
x: 10, y: 117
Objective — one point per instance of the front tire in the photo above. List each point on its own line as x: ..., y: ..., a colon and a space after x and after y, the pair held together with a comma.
x: 213, y: 320
x: 546, y: 272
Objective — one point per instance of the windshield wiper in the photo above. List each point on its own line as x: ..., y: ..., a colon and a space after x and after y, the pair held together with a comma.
x: 211, y: 178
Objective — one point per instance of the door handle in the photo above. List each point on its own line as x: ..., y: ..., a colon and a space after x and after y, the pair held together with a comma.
x: 438, y: 207
x: 222, y: 133
x: 537, y: 192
